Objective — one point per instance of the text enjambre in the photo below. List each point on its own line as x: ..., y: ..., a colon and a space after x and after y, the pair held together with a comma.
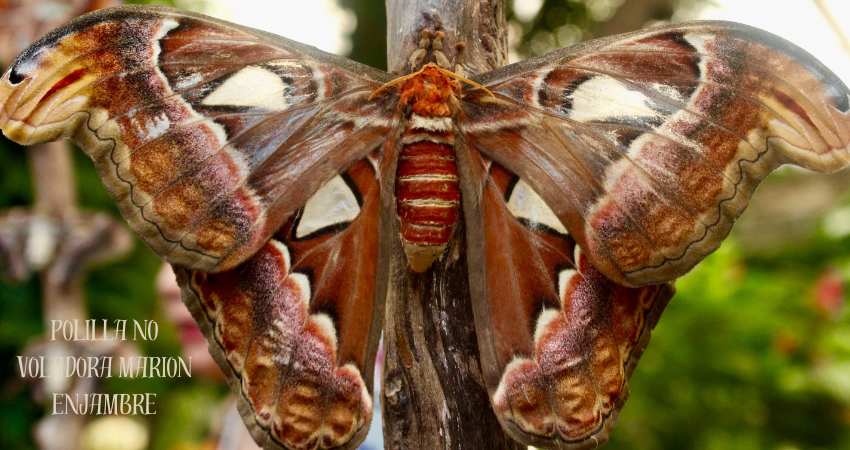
x: 99, y: 404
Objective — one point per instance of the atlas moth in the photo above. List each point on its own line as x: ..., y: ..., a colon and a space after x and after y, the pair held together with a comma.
x: 277, y: 178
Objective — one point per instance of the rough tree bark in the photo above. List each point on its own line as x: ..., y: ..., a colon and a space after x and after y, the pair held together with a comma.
x: 434, y: 395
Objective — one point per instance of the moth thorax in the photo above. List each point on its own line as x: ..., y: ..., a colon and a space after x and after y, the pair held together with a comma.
x: 429, y: 94
x: 426, y: 189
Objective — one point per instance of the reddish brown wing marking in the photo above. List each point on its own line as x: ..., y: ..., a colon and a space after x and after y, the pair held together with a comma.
x: 24, y: 21
x: 296, y: 326
x: 208, y: 135
x: 649, y: 145
x: 559, y: 341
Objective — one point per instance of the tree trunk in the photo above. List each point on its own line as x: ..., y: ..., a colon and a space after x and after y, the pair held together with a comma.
x: 433, y: 388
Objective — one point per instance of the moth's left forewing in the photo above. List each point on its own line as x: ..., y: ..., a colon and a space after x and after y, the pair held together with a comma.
x: 649, y: 145
x: 208, y: 135
x: 558, y: 340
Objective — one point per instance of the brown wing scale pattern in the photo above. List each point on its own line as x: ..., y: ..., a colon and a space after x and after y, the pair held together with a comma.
x: 563, y: 339
x: 648, y: 146
x: 296, y: 326
x: 200, y: 170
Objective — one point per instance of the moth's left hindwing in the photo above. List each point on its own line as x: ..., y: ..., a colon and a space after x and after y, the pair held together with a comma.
x: 296, y: 326
x: 253, y: 164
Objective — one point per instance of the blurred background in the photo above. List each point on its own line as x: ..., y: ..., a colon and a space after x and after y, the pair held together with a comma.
x: 753, y: 352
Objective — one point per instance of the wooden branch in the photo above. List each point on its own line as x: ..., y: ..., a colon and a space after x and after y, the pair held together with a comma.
x: 433, y: 389
x: 481, y: 25
x: 53, y: 178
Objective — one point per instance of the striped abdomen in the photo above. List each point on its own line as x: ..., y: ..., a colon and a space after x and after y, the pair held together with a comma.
x: 426, y: 189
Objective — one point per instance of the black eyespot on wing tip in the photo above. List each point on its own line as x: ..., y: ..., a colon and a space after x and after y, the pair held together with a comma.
x: 843, y: 103
x: 15, y: 78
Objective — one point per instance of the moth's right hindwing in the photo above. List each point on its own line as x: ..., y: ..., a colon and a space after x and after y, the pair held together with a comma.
x: 558, y: 340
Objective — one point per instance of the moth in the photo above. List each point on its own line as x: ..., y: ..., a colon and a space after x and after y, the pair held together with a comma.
x: 277, y: 179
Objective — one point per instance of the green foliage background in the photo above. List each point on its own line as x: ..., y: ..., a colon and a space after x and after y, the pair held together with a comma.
x: 742, y: 358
